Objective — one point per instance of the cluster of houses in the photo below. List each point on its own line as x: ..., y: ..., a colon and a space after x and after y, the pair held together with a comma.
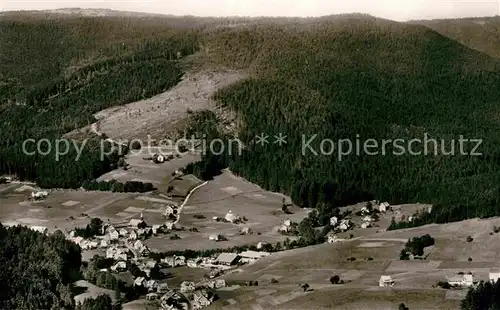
x: 460, y: 280
x: 198, y: 295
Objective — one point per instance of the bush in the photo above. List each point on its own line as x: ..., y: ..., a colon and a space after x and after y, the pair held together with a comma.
x: 274, y: 281
x: 469, y: 239
x: 136, y: 145
x: 470, y: 259
x: 402, y: 306
x: 175, y: 237
x: 443, y: 284
x: 335, y: 279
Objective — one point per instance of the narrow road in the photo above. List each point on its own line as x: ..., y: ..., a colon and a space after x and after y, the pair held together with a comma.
x: 186, y: 200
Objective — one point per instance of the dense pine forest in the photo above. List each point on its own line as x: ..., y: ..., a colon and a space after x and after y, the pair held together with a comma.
x: 37, y: 271
x: 373, y: 79
x: 337, y: 77
x: 55, y: 73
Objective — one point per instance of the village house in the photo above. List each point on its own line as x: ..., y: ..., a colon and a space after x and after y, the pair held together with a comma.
x: 139, y: 246
x: 158, y: 158
x: 151, y: 285
x: 89, y: 245
x: 170, y: 226
x: 170, y: 299
x: 117, y: 253
x: 214, y: 284
x: 214, y: 238
x: 169, y: 210
x: 286, y: 226
x: 201, y: 299
x: 139, y: 281
x: 466, y: 280
x: 261, y: 245
x: 227, y: 259
x: 104, y: 243
x: 39, y: 195
x: 133, y: 235
x: 150, y: 264
x: 194, y: 262
x: 84, y: 244
x: 152, y: 296
x: 219, y: 283
x: 366, y: 225
x: 179, y: 261
x: 114, y: 235
x: 245, y: 231
x: 494, y: 276
x: 156, y: 229
x: 77, y: 240
x: 123, y: 232
x: 345, y: 225
x: 384, y: 207
x: 187, y: 287
x: 119, y: 266
x: 252, y: 256
x: 168, y: 261
x: 385, y: 281
x: 368, y: 219
x: 214, y: 273
x: 334, y: 221
x: 230, y: 217
x: 162, y: 288
x: 40, y: 229
x: 135, y: 223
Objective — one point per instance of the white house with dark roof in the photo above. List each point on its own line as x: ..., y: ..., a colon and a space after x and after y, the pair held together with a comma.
x: 187, y: 287
x: 384, y: 206
x: 385, y: 281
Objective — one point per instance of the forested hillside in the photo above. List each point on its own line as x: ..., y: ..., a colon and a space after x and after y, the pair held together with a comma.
x: 374, y: 79
x: 337, y: 77
x: 37, y: 270
x: 55, y: 73
x: 482, y: 33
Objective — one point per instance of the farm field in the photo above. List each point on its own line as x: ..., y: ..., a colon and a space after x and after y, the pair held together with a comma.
x: 143, y: 170
x: 375, y: 255
x: 67, y: 209
x: 225, y: 193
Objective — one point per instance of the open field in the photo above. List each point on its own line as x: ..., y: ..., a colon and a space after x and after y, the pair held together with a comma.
x: 375, y: 255
x: 223, y: 194
x: 91, y: 291
x: 167, y: 111
x: 143, y: 170
x: 67, y: 209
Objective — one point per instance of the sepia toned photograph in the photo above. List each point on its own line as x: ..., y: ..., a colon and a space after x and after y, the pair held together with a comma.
x: 249, y: 154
